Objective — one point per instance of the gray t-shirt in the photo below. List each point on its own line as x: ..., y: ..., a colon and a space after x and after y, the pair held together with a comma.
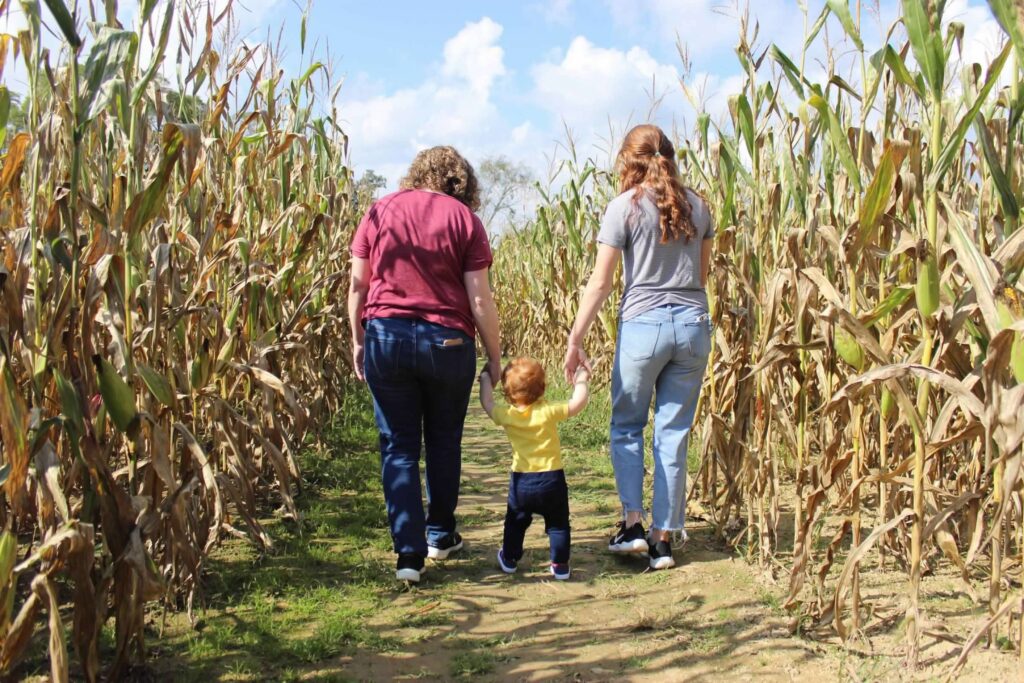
x: 656, y: 274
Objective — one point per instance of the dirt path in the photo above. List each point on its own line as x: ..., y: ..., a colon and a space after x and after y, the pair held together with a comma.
x: 324, y: 606
x: 612, y: 621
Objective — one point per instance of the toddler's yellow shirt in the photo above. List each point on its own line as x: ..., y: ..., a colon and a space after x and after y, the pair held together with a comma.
x: 533, y: 433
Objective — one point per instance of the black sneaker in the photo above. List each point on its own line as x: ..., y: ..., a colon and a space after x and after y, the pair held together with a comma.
x: 445, y: 547
x: 660, y: 554
x: 629, y: 540
x: 410, y: 568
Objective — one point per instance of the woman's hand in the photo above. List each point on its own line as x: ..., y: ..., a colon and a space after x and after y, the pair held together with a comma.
x: 575, y: 358
x: 494, y: 369
x: 357, y: 362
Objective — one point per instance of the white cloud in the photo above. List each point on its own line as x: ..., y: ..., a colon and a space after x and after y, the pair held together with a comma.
x: 454, y: 106
x: 701, y: 25
x: 474, y: 56
x: 591, y: 86
x: 554, y: 11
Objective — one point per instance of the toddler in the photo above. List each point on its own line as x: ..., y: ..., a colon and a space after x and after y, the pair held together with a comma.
x: 537, y: 484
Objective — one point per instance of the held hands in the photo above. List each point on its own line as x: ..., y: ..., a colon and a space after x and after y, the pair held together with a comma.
x: 582, y: 375
x: 575, y: 359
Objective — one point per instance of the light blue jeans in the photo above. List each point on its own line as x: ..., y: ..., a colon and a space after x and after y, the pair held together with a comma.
x: 662, y: 353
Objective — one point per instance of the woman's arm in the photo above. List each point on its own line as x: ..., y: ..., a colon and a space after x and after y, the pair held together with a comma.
x: 485, y: 315
x: 705, y: 259
x: 487, y: 393
x: 599, y: 287
x: 358, y: 287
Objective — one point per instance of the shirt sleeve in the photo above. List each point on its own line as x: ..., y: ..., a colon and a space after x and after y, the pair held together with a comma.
x: 558, y: 411
x: 478, y: 249
x: 360, y: 247
x: 613, y: 227
x: 498, y: 414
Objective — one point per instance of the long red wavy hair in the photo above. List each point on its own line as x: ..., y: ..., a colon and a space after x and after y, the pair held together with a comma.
x: 647, y: 159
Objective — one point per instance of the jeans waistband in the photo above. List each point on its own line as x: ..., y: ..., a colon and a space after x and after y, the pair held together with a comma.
x: 672, y: 313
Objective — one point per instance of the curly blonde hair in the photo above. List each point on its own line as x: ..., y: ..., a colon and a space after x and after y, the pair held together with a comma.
x: 443, y: 169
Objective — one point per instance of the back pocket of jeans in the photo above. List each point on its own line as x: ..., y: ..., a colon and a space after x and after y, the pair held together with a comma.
x: 638, y: 340
x: 453, y: 362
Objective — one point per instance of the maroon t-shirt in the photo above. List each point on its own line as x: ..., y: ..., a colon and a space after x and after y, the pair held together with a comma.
x: 419, y: 244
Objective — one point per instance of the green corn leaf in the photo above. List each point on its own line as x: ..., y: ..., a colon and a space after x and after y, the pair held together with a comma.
x: 106, y: 60
x: 841, y: 8
x: 147, y: 204
x: 926, y: 44
x: 876, y: 198
x: 841, y: 83
x: 69, y: 402
x: 746, y: 122
x: 5, y: 113
x: 898, y: 67
x: 313, y: 68
x: 816, y: 27
x: 837, y: 136
x: 892, y: 302
x: 1007, y: 199
x: 147, y: 9
x: 65, y: 21
x: 789, y: 69
x: 157, y: 384
x: 954, y: 144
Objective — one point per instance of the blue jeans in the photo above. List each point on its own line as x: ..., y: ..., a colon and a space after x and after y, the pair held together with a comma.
x: 537, y: 493
x: 420, y: 387
x: 662, y: 352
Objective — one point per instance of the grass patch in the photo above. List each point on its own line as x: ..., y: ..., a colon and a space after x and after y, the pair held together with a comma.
x: 473, y: 663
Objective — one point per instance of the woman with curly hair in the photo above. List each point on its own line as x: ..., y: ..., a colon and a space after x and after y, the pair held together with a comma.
x: 418, y: 295
x: 662, y: 231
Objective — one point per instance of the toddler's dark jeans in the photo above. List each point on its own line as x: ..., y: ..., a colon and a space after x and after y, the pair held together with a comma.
x: 540, y: 493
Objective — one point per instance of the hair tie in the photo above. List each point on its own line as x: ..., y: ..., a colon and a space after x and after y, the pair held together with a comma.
x: 657, y: 153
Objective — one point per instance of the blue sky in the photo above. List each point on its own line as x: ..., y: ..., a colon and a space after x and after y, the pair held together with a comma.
x: 507, y: 78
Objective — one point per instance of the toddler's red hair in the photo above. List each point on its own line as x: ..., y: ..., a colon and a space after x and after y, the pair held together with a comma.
x: 523, y: 381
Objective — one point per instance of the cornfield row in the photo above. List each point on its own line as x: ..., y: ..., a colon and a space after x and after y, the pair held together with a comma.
x: 170, y: 327
x: 869, y: 343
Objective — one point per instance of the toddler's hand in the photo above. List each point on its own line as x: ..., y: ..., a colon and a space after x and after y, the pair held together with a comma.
x: 582, y: 375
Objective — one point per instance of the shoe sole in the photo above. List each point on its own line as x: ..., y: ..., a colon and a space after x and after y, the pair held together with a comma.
x: 504, y: 568
x: 561, y: 577
x: 662, y: 562
x: 410, y: 575
x: 638, y: 546
x: 435, y: 553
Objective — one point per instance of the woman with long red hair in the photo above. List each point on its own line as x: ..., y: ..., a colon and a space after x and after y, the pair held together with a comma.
x: 662, y: 232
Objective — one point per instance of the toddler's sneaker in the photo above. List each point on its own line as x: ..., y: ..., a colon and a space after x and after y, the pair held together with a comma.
x: 507, y: 566
x: 629, y: 539
x: 444, y: 547
x: 560, y: 571
x: 410, y: 568
x: 660, y: 554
